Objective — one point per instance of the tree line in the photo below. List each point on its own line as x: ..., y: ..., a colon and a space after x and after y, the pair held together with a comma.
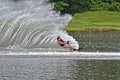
x: 75, y: 6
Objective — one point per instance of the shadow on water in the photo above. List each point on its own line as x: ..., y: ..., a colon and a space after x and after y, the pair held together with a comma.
x: 98, y: 41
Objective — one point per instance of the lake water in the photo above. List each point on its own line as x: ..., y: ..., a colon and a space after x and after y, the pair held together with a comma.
x: 108, y: 41
x: 95, y: 61
x: 58, y: 69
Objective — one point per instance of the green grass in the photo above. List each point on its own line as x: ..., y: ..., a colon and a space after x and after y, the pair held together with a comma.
x: 99, y: 20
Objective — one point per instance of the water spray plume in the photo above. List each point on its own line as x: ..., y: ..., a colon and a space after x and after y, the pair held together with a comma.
x: 31, y: 24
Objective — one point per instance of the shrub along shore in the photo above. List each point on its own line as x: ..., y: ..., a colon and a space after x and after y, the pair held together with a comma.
x: 95, y: 21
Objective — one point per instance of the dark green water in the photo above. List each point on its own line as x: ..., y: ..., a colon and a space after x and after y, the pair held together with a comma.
x: 98, y: 41
x: 58, y: 69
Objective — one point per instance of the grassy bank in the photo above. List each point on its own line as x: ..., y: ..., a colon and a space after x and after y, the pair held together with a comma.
x: 100, y: 20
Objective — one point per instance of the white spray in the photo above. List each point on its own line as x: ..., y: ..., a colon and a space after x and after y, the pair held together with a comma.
x: 31, y: 24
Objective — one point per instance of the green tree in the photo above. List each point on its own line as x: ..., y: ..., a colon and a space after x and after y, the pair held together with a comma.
x: 97, y: 5
x: 76, y: 6
x: 115, y: 6
x: 60, y: 6
x: 118, y: 1
x: 70, y: 6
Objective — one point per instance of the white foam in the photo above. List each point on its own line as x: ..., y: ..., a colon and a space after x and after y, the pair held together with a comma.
x: 66, y: 55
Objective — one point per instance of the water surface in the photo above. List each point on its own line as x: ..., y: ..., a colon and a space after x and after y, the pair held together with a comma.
x: 58, y: 69
x: 98, y: 41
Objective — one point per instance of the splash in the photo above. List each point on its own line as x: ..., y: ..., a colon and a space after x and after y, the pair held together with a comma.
x: 31, y: 24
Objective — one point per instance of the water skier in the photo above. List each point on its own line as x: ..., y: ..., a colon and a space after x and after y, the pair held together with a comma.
x: 64, y: 44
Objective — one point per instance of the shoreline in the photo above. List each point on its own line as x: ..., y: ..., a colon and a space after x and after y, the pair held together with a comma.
x: 92, y: 30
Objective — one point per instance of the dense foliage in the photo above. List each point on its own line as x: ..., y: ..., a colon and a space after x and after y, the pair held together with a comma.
x: 75, y: 6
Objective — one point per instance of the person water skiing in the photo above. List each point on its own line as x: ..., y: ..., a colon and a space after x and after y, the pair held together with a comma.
x: 64, y: 44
